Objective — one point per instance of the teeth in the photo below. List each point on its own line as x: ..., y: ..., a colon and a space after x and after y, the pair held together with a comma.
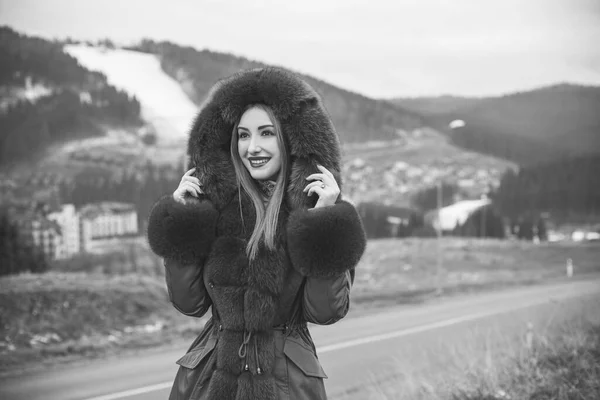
x: 259, y: 163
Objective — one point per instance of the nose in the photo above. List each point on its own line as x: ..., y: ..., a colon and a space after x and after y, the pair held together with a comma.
x: 254, y: 147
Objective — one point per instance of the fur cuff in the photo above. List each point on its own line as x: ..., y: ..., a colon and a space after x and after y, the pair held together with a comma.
x: 182, y: 232
x: 324, y: 242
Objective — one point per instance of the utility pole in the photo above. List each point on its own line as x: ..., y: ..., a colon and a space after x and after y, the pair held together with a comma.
x: 439, y: 239
x: 482, y: 214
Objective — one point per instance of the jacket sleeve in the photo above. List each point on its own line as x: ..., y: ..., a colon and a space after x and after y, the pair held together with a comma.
x: 185, y: 285
x: 327, y: 300
x: 325, y: 242
x: 182, y: 234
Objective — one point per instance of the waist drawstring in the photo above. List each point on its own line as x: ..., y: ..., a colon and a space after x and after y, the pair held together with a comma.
x: 258, y: 370
x: 243, y: 352
x: 244, y: 347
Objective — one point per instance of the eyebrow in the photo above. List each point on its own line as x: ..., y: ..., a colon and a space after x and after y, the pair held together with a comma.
x: 260, y: 127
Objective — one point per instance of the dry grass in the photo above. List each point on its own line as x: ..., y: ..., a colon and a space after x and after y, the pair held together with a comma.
x: 71, y: 315
x: 405, y: 270
x: 558, y: 359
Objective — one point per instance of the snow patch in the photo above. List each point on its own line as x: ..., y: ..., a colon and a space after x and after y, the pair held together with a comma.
x: 32, y: 92
x: 454, y: 215
x: 164, y: 104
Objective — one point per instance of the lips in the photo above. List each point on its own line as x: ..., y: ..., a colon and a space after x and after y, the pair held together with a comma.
x: 257, y: 162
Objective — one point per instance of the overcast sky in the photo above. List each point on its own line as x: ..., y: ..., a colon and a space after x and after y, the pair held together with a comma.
x: 374, y: 47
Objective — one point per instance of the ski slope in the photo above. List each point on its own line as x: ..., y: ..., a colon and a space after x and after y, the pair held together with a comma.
x: 164, y: 104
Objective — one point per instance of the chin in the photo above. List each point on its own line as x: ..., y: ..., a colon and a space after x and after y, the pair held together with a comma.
x: 261, y: 175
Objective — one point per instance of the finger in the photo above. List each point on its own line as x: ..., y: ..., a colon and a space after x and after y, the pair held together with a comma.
x: 192, y: 179
x: 196, y: 187
x: 316, y: 189
x: 331, y: 181
x: 325, y: 171
x: 190, y: 172
x: 189, y: 183
x: 312, y: 184
x: 316, y: 176
x: 187, y: 191
x: 191, y: 188
x: 192, y: 192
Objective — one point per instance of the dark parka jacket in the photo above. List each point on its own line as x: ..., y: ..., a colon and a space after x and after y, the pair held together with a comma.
x: 257, y: 345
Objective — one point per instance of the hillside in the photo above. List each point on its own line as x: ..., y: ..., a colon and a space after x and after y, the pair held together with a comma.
x: 432, y: 106
x: 388, y: 153
x: 46, y: 97
x: 356, y: 117
x: 389, y: 164
x: 526, y: 127
x: 394, y: 172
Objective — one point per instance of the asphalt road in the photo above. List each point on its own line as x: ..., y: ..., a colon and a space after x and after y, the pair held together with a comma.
x: 355, y: 352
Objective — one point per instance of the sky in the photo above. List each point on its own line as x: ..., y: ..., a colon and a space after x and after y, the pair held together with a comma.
x: 382, y: 49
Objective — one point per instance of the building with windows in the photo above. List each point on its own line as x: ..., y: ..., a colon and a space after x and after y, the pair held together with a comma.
x: 107, y: 220
x: 44, y: 234
x: 70, y: 240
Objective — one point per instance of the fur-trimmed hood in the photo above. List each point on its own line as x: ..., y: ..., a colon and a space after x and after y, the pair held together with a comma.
x: 305, y: 123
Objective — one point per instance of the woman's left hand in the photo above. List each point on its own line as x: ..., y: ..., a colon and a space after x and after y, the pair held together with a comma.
x: 325, y: 186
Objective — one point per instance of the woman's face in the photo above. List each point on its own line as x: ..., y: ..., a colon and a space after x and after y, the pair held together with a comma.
x: 258, y: 146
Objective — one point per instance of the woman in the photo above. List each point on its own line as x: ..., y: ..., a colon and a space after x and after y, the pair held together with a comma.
x: 257, y: 232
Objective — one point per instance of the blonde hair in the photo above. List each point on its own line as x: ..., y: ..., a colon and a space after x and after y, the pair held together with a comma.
x: 265, y: 227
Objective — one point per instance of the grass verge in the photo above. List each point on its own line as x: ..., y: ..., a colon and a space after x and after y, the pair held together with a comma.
x: 558, y: 359
x: 57, y: 317
x: 405, y: 271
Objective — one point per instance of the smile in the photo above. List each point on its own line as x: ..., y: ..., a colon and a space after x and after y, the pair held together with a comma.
x: 257, y: 162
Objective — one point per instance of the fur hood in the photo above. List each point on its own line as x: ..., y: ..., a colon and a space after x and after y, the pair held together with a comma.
x: 305, y: 123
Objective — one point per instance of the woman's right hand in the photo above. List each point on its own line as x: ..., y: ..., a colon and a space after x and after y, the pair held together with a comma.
x: 189, y: 184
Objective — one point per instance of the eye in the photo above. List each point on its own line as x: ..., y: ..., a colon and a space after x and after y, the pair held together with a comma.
x: 242, y: 135
x: 268, y: 133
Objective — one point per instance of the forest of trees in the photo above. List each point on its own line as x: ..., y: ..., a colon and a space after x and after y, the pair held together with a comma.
x: 17, y: 253
x: 564, y: 188
x: 28, y: 127
x: 519, y: 149
x: 80, y: 103
x: 427, y: 199
x: 375, y: 216
x: 141, y: 188
x: 41, y: 60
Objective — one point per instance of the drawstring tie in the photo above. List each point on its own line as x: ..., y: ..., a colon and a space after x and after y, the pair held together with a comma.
x: 258, y: 370
x: 243, y: 352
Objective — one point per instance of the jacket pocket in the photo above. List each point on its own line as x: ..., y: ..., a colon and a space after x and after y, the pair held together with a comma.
x: 195, y: 368
x: 304, y: 358
x: 195, y: 356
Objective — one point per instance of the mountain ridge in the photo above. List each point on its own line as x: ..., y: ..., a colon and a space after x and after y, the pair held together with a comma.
x: 357, y: 118
x: 560, y: 118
